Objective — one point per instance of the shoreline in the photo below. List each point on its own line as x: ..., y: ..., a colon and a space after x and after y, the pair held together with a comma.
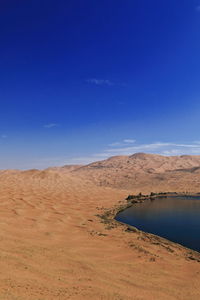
x: 108, y: 218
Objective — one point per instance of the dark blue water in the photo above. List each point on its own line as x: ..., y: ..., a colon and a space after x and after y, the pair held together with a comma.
x: 174, y: 218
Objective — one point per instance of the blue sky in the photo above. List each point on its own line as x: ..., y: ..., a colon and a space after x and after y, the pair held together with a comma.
x: 83, y: 80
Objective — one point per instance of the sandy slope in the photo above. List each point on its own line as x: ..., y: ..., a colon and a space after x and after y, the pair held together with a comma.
x: 54, y: 246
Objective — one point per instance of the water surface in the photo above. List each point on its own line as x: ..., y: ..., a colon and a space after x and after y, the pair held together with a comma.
x: 174, y: 218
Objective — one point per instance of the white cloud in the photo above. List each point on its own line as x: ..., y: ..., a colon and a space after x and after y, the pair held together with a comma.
x: 100, y: 81
x: 51, y: 125
x: 4, y: 136
x: 125, y: 142
x: 163, y: 148
x: 138, y: 148
x: 129, y: 141
x: 172, y: 152
x: 115, y: 144
x: 157, y: 147
x: 61, y: 161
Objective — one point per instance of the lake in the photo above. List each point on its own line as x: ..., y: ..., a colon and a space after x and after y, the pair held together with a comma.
x: 174, y: 218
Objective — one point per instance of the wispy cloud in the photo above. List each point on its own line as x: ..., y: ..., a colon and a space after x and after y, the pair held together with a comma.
x: 163, y: 148
x: 4, y: 136
x: 51, y: 125
x: 129, y: 141
x: 157, y: 147
x: 116, y: 144
x: 198, y: 8
x: 125, y: 142
x: 46, y: 162
x: 99, y: 81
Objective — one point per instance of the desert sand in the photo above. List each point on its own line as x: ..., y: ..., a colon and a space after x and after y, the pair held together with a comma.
x: 54, y: 245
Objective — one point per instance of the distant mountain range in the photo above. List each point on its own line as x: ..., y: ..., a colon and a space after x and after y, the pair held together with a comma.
x: 137, y: 172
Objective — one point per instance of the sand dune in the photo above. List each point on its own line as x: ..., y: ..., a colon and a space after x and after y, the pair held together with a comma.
x: 55, y: 246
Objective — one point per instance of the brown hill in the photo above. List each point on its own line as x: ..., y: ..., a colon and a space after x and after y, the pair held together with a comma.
x: 146, y: 163
x: 142, y: 170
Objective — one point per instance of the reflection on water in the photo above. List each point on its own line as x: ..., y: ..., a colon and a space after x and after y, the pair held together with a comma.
x: 175, y: 218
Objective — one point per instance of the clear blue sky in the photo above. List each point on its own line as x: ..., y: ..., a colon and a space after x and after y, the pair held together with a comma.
x: 84, y: 80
